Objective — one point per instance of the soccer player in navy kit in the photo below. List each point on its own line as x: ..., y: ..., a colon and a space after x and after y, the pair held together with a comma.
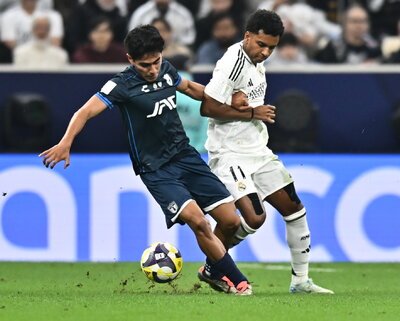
x: 172, y: 170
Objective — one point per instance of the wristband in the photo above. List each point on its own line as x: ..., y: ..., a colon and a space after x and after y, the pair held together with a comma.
x: 252, y: 113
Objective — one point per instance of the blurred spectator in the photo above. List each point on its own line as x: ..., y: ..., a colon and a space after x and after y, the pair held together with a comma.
x: 307, y: 23
x: 65, y: 8
x: 288, y: 52
x: 391, y: 47
x: 16, y: 24
x: 77, y: 30
x: 383, y: 15
x: 5, y: 54
x: 204, y: 25
x: 40, y: 52
x: 355, y: 46
x: 329, y: 7
x: 179, y: 55
x: 179, y: 18
x: 101, y: 48
x: 224, y: 34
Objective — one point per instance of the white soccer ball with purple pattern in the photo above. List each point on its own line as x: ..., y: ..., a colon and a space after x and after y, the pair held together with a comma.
x: 161, y: 262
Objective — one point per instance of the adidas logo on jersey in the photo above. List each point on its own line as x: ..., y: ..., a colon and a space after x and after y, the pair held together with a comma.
x: 250, y: 83
x: 160, y: 105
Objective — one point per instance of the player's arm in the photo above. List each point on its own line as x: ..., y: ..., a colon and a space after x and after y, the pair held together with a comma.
x: 239, y: 110
x: 191, y: 89
x: 61, y: 151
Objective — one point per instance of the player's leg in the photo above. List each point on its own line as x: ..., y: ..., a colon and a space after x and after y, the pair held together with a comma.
x: 286, y: 201
x: 217, y: 256
x: 252, y: 216
x: 236, y: 175
x: 212, y: 197
x: 276, y: 187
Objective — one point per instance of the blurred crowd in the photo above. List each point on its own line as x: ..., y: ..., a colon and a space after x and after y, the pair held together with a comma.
x: 53, y: 33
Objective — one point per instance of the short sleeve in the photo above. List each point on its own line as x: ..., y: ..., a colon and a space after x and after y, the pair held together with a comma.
x: 226, y: 73
x: 112, y: 93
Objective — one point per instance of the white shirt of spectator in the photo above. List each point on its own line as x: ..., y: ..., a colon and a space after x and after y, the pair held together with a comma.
x: 16, y: 24
x: 305, y: 19
x: 40, y: 55
x: 235, y: 72
x: 180, y: 19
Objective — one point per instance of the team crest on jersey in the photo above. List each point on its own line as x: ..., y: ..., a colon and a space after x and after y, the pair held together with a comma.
x: 241, y: 186
x: 173, y: 207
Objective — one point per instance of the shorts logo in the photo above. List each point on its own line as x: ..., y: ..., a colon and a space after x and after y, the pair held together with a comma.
x: 173, y: 207
x: 241, y: 186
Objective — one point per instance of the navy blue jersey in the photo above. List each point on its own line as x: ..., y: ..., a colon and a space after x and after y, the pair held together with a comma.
x: 154, y: 130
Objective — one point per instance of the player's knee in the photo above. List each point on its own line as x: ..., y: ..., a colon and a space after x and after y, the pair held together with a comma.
x: 230, y: 223
x: 200, y: 225
x: 256, y: 221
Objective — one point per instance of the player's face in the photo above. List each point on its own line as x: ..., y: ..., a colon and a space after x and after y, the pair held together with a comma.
x: 259, y: 46
x: 148, y: 66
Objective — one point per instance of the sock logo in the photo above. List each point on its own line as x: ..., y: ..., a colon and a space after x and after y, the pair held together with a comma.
x: 303, y: 238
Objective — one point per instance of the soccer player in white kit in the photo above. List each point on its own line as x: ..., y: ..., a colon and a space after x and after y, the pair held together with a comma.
x: 237, y: 144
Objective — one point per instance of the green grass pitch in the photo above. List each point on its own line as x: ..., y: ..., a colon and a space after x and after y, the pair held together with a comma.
x: 120, y: 291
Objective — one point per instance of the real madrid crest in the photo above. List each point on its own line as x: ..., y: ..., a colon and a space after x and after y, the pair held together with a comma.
x: 241, y: 186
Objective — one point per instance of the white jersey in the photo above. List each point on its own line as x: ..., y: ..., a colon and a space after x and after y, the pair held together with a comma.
x: 235, y: 72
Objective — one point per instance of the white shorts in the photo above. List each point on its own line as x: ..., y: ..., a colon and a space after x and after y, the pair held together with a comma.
x: 245, y: 175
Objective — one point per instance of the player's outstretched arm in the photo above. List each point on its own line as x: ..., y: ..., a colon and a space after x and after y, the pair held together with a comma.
x: 191, y: 89
x: 61, y: 151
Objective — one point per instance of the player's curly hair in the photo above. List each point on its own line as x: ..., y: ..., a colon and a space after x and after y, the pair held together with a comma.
x: 143, y: 40
x: 267, y: 21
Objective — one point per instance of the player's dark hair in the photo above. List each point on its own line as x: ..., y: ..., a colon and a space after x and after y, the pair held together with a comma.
x: 143, y: 40
x: 267, y: 21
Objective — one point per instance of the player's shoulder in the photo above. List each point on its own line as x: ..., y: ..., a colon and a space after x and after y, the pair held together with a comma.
x: 232, y: 53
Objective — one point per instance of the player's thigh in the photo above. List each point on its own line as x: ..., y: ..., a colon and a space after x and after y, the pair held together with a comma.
x: 171, y: 194
x: 236, y: 175
x: 225, y: 215
x: 276, y: 187
x: 252, y: 209
x: 204, y: 186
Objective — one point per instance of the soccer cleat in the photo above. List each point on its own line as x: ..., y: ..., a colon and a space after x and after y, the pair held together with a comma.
x: 221, y: 285
x: 244, y: 288
x: 308, y: 287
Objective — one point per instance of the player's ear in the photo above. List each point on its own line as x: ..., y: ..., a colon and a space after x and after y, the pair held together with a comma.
x: 246, y: 37
x: 129, y: 58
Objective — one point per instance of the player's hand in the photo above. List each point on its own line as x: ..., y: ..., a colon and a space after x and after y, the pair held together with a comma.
x: 265, y: 113
x: 240, y: 101
x: 56, y: 154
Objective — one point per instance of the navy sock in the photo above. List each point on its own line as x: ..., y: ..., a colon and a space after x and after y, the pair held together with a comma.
x: 226, y: 266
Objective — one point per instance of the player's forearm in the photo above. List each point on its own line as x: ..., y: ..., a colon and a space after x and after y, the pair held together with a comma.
x: 195, y: 90
x: 224, y: 112
x: 75, y: 126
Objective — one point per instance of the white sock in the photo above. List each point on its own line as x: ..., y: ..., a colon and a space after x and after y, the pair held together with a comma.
x: 242, y: 232
x: 298, y: 239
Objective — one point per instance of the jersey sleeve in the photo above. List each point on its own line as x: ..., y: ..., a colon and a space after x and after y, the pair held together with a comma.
x: 226, y: 73
x: 173, y: 73
x: 112, y: 93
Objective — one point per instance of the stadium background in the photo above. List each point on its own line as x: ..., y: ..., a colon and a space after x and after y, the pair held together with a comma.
x: 97, y: 210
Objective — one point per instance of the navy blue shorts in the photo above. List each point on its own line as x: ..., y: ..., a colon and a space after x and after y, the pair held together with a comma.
x: 185, y: 178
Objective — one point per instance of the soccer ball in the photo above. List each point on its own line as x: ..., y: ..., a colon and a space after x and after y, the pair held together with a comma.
x: 161, y: 262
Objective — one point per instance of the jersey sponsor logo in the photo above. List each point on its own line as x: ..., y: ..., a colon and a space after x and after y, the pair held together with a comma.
x: 160, y: 105
x: 257, y: 92
x: 110, y: 85
x: 173, y: 207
